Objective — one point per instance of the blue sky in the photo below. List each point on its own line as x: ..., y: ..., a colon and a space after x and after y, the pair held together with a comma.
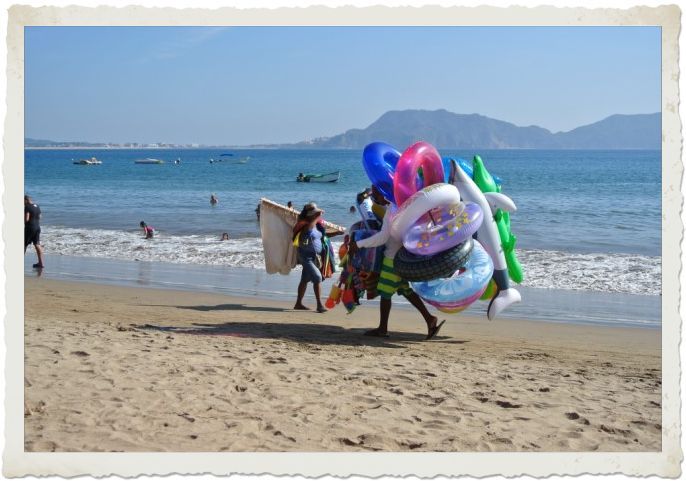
x: 245, y: 85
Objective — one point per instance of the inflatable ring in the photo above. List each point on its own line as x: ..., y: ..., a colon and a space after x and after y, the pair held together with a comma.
x: 461, y: 304
x: 448, y: 310
x: 447, y: 227
x: 416, y: 268
x: 462, y: 288
x: 379, y: 160
x: 419, y: 155
x: 421, y: 202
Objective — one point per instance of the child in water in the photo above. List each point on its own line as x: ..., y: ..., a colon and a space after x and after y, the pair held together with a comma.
x: 148, y: 231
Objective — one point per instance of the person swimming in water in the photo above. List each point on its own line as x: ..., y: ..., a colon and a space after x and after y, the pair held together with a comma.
x: 214, y: 200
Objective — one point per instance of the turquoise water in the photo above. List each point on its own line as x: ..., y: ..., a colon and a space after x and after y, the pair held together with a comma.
x: 587, y: 221
x: 572, y: 201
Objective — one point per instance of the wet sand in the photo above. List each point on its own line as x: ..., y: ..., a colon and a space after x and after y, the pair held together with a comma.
x: 112, y: 368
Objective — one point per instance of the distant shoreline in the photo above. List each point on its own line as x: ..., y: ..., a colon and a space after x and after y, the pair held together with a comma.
x: 143, y: 148
x: 314, y: 148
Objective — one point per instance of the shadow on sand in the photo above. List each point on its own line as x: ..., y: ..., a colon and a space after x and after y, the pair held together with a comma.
x: 225, y: 307
x: 321, y: 334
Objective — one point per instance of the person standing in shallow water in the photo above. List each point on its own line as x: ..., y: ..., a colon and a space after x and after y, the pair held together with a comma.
x: 32, y: 229
x: 308, y: 235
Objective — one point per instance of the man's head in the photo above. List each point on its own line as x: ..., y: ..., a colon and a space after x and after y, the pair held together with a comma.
x: 27, y: 200
x: 142, y: 224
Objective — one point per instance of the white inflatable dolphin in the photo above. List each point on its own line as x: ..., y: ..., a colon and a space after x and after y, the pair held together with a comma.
x: 488, y: 237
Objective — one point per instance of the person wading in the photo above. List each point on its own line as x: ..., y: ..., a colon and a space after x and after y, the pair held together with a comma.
x: 32, y: 229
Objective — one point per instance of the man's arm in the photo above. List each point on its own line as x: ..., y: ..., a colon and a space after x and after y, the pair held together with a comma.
x: 378, y: 239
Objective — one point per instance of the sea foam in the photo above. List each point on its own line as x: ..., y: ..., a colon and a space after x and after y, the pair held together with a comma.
x: 546, y: 269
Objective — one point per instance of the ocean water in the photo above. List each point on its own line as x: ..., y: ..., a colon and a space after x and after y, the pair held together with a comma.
x: 586, y: 221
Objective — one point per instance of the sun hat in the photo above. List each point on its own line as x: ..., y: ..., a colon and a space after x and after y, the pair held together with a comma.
x: 310, y: 211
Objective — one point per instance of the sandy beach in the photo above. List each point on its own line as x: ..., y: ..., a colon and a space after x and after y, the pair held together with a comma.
x: 125, y: 369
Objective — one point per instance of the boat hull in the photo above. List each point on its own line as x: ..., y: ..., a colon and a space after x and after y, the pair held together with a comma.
x: 321, y: 178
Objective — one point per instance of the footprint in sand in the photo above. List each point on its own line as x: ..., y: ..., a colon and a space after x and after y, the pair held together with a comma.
x: 611, y: 430
x: 572, y: 416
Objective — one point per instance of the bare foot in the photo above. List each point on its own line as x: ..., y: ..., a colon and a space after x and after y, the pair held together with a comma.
x: 321, y: 309
x: 376, y: 333
x: 300, y: 307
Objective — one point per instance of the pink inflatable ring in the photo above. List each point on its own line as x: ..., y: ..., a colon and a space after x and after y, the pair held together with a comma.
x: 419, y: 155
x: 447, y: 226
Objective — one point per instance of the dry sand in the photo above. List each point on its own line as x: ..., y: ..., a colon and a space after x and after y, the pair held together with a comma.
x: 124, y: 369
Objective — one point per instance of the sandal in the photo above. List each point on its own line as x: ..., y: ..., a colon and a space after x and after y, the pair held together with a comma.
x: 434, y: 330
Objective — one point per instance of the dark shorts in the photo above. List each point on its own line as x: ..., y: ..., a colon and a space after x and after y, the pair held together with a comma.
x: 31, y: 235
x: 310, y: 272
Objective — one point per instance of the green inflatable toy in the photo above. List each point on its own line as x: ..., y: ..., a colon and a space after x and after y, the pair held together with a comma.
x: 485, y: 182
x: 490, y: 292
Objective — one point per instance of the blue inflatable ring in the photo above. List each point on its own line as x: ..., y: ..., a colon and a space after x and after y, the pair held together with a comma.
x: 379, y: 160
x: 465, y: 283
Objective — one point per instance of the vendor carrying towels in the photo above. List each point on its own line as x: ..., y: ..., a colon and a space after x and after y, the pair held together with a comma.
x: 314, y: 253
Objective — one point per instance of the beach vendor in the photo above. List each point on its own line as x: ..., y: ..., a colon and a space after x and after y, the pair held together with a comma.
x: 309, y: 238
x: 389, y: 282
x: 148, y: 231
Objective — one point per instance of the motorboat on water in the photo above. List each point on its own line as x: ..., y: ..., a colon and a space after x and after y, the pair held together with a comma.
x: 321, y: 178
x: 242, y: 160
x: 91, y: 161
x: 148, y: 161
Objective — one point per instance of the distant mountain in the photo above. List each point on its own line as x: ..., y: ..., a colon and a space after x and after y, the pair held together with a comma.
x: 641, y: 131
x: 445, y: 129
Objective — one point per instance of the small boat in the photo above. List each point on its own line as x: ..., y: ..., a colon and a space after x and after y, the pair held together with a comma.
x: 148, y: 161
x: 242, y: 160
x: 91, y: 161
x: 322, y: 178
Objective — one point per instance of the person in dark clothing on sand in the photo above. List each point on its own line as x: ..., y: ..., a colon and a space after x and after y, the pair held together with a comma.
x: 32, y: 229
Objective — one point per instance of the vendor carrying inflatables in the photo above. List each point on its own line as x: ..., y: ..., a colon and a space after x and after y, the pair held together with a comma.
x: 389, y: 282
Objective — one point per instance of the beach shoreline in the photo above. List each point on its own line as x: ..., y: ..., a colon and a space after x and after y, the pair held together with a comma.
x: 113, y: 368
x: 545, y: 305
